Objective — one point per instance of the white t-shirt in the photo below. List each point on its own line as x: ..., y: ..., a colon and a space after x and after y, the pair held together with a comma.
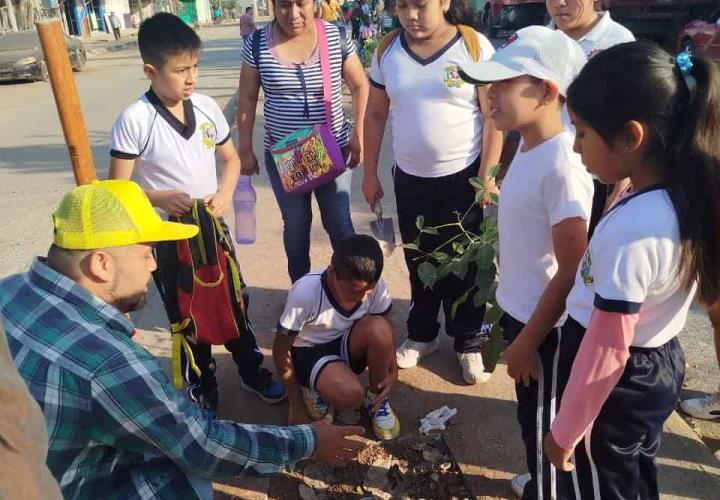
x: 543, y: 187
x: 631, y: 266
x: 313, y: 314
x: 434, y: 114
x: 170, y: 155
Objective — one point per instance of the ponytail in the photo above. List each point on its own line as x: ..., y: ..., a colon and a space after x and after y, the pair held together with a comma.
x: 460, y: 12
x: 681, y: 113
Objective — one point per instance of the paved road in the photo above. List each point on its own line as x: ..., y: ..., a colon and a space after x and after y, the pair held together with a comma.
x: 35, y: 173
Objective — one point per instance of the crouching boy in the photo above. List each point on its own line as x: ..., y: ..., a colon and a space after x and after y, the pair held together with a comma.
x: 334, y: 326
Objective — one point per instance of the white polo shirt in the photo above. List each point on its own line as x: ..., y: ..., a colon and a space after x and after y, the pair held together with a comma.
x: 169, y: 154
x: 435, y: 116
x: 543, y: 187
x: 631, y: 266
x: 605, y: 34
x: 313, y: 314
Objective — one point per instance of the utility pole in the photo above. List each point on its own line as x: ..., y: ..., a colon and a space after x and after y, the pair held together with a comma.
x: 11, y: 15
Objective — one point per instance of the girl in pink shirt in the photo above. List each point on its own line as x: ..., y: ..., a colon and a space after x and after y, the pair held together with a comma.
x: 649, y: 255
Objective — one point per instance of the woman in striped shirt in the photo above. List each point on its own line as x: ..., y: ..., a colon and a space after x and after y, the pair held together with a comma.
x: 283, y: 58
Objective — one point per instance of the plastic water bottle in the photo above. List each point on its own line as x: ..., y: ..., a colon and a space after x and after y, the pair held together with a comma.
x: 244, y: 200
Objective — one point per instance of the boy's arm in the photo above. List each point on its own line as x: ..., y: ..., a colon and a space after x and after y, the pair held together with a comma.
x: 221, y: 200
x: 175, y: 203
x: 569, y: 244
x: 284, y: 369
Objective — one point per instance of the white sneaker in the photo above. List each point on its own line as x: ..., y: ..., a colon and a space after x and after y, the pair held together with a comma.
x: 316, y: 406
x: 410, y: 352
x: 473, y: 368
x: 707, y: 408
x: 518, y: 483
x: 384, y: 421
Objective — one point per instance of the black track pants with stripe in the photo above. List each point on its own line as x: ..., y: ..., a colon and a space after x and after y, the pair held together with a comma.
x: 539, y: 402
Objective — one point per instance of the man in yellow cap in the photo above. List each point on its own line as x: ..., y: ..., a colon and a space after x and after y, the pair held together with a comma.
x: 117, y: 428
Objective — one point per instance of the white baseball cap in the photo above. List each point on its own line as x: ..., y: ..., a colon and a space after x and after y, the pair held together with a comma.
x: 535, y: 51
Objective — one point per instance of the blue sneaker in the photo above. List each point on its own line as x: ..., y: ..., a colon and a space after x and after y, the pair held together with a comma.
x: 265, y: 387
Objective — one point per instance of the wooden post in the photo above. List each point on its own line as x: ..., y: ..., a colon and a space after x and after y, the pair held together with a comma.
x: 52, y: 40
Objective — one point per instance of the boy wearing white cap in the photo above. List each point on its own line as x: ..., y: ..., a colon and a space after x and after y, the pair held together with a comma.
x: 545, y: 203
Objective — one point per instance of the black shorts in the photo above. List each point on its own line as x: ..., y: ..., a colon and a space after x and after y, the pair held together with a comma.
x: 309, y: 362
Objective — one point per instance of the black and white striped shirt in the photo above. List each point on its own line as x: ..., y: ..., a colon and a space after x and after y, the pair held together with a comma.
x: 294, y: 93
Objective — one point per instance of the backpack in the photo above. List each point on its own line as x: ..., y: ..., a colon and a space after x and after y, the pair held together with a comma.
x: 201, y: 287
x: 468, y: 34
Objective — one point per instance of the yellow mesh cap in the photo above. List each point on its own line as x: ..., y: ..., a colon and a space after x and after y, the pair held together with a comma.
x: 111, y: 214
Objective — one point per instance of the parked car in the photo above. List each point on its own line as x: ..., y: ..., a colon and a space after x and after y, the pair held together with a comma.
x: 695, y: 35
x: 21, y: 57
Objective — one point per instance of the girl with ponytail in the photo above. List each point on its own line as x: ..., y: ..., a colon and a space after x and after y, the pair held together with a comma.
x: 640, y: 114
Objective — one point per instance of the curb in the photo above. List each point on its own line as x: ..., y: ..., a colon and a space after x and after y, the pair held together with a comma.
x: 111, y: 47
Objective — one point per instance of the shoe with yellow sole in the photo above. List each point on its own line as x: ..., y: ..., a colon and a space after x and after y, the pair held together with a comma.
x: 384, y: 421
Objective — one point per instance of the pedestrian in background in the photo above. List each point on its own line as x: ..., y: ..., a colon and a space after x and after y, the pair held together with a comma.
x: 115, y: 25
x: 442, y: 136
x: 247, y: 24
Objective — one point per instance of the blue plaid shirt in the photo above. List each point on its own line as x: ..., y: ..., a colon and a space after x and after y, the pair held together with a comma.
x: 117, y: 427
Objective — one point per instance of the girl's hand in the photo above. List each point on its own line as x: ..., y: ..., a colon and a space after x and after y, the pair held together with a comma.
x: 521, y: 362
x: 489, y: 187
x: 372, y: 189
x: 559, y: 457
x: 355, y: 152
x: 248, y: 163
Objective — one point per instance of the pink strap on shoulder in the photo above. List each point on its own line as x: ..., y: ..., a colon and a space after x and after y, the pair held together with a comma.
x: 325, y: 69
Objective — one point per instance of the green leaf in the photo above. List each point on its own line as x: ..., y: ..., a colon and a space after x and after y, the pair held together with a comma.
x: 459, y: 268
x: 493, y: 171
x: 460, y: 300
x: 478, y: 197
x: 493, y: 314
x: 476, y: 182
x: 444, y: 270
x: 492, y: 349
x: 411, y: 246
x: 479, y: 300
x: 440, y: 256
x: 494, y: 198
x: 427, y: 274
x: 458, y: 247
x: 429, y: 230
x: 485, y: 256
x: 420, y: 222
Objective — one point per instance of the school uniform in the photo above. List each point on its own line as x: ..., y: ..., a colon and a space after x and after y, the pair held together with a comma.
x: 543, y: 187
x: 174, y: 155
x: 323, y: 328
x: 437, y: 138
x: 605, y: 34
x: 630, y: 267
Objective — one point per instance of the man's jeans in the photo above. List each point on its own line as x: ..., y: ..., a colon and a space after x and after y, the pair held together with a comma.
x: 334, y: 202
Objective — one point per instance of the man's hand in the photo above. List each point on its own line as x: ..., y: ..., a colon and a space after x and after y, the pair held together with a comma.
x: 521, y: 362
x: 333, y: 445
x: 218, y: 202
x: 387, y: 385
x: 175, y: 203
x: 248, y: 163
x: 297, y: 413
x: 372, y: 189
x: 355, y: 152
x: 559, y: 457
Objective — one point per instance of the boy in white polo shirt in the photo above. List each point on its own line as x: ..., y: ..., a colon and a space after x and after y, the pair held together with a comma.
x: 545, y: 202
x: 332, y: 328
x: 171, y: 135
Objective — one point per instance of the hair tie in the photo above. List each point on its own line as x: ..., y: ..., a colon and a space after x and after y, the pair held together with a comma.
x: 685, y: 65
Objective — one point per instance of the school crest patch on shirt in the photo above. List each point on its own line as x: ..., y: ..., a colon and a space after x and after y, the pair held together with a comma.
x: 209, y: 134
x: 452, y: 76
x: 586, y: 268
